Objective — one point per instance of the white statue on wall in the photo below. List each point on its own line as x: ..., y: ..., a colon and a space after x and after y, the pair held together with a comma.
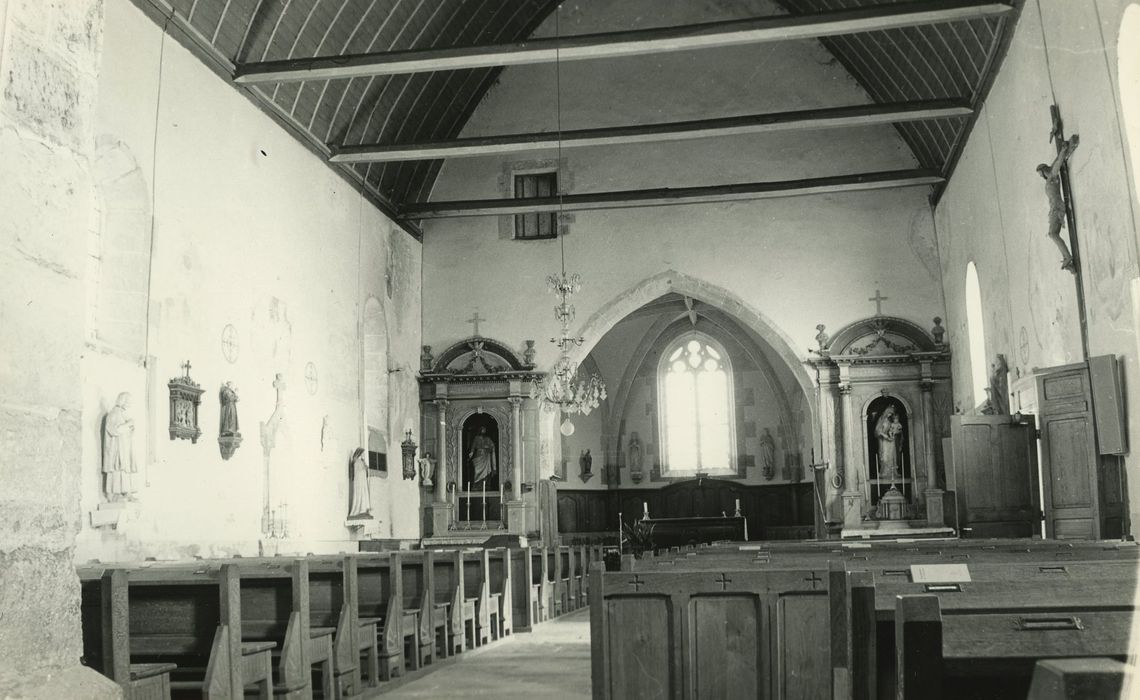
x: 888, y: 430
x: 427, y: 470
x: 361, y: 504
x: 118, y: 451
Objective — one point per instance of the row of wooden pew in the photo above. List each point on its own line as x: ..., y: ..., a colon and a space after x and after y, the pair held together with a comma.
x: 326, y: 626
x: 931, y: 620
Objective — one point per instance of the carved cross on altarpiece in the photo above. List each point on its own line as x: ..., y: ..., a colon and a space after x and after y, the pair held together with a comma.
x: 475, y: 321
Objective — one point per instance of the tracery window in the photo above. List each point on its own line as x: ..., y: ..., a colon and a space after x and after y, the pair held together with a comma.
x: 695, y: 384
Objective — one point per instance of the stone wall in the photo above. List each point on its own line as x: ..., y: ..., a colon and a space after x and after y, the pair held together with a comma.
x: 49, y: 62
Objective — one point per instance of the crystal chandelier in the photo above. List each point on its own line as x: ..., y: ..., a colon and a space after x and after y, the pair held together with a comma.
x: 563, y: 389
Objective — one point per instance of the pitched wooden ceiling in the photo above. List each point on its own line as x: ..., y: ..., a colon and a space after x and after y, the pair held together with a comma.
x: 412, y: 72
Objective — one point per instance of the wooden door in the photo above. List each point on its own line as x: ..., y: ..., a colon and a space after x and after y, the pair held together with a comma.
x: 994, y: 476
x: 1068, y: 453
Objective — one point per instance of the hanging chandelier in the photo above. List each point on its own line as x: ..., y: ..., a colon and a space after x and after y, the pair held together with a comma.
x: 563, y: 389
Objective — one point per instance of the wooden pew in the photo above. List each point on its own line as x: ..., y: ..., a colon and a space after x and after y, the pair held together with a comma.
x: 381, y: 606
x: 991, y: 635
x: 333, y: 602
x: 717, y: 633
x: 435, y: 622
x: 275, y: 609
x: 500, y: 582
x: 105, y: 612
x: 1087, y: 679
x: 477, y: 590
x: 540, y: 575
x: 418, y: 597
x: 557, y: 582
x: 447, y: 581
x: 525, y: 595
x: 190, y: 615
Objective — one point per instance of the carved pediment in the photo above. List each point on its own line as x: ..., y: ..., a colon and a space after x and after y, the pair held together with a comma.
x: 879, y: 337
x: 478, y: 356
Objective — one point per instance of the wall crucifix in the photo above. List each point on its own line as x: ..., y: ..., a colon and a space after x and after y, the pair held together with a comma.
x: 1056, y: 177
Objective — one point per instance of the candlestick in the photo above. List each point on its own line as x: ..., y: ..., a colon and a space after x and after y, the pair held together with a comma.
x: 468, y: 503
x: 645, y: 506
x: 620, y: 537
x: 484, y: 505
x: 737, y: 513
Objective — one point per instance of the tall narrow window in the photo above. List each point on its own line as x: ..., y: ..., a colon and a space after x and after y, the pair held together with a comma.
x: 975, y: 326
x: 536, y: 224
x: 695, y: 380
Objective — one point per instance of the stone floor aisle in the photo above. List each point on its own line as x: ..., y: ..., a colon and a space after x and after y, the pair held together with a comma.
x: 551, y: 662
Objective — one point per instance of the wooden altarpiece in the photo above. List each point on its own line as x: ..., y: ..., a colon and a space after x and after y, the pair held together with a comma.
x: 884, y: 376
x: 479, y: 385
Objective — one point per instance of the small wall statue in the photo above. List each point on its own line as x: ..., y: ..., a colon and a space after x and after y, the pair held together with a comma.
x: 585, y: 465
x: 118, y: 452
x: 229, y: 437
x: 427, y: 470
x: 634, y: 462
x: 360, y: 506
x: 767, y: 455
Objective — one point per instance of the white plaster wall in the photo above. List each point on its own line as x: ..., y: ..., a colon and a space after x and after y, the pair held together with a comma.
x: 250, y: 229
x: 995, y: 209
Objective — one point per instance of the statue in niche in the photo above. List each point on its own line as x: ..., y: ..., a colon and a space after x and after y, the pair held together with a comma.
x: 585, y: 462
x: 118, y: 451
x: 634, y: 451
x: 1057, y: 208
x: 427, y: 470
x: 361, y: 504
x: 888, y: 431
x: 767, y: 455
x: 482, y: 456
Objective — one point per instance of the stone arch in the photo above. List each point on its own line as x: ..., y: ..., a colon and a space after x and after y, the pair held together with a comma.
x: 1128, y: 79
x: 118, y: 251
x: 614, y: 310
x: 374, y: 376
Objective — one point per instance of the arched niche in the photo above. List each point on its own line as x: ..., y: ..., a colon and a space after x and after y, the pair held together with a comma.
x: 875, y: 414
x: 474, y: 426
x: 376, y: 435
x: 118, y: 252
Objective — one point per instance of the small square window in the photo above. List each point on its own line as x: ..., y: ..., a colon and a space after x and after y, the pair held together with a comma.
x: 536, y: 224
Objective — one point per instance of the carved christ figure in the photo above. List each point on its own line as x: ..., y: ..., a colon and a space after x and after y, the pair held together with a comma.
x: 118, y: 451
x: 1057, y: 210
x: 482, y: 456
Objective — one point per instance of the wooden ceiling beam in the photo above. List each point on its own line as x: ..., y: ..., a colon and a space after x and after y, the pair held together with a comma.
x: 625, y: 43
x: 671, y: 196
x: 830, y: 118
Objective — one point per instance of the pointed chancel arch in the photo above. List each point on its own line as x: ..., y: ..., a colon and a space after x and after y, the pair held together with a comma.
x: 614, y: 310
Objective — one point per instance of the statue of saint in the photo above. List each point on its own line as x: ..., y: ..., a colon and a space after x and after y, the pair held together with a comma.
x: 767, y: 455
x: 634, y: 455
x: 585, y: 462
x: 482, y: 456
x: 118, y: 451
x: 888, y: 430
x: 229, y: 417
x: 361, y: 504
x: 427, y: 469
